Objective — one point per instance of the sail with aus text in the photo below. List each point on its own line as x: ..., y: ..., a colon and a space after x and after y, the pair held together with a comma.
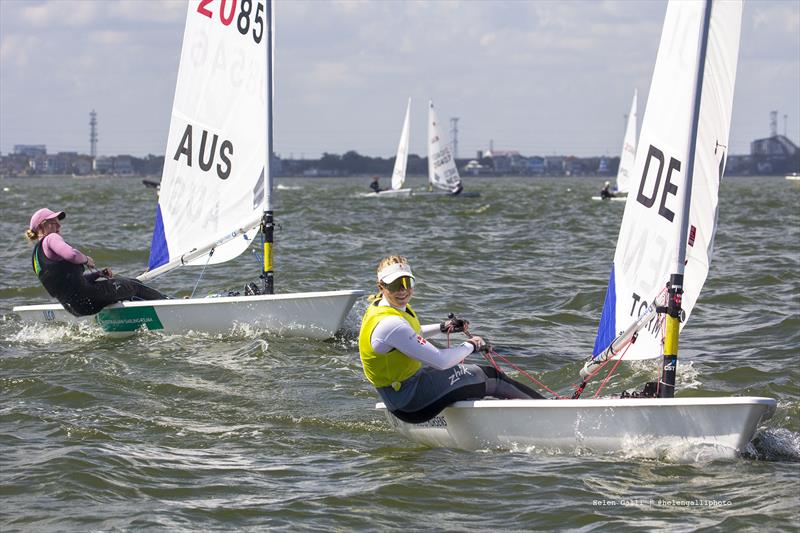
x: 647, y: 248
x: 213, y: 182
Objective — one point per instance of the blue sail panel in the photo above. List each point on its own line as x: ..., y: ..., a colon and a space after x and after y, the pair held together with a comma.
x: 159, y: 251
x: 607, y: 330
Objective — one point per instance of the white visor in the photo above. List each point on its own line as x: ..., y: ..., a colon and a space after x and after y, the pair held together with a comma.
x: 396, y: 270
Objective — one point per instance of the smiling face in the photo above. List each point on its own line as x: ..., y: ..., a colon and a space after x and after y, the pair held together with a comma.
x: 398, y: 293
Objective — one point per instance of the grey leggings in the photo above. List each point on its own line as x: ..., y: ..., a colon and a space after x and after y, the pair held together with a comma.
x: 426, y: 393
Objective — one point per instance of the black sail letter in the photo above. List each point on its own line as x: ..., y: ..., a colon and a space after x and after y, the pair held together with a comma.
x: 223, y: 174
x: 185, y: 147
x: 669, y: 188
x: 207, y: 165
x: 653, y: 152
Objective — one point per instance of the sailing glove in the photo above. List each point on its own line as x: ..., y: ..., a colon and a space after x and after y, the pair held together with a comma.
x: 454, y: 324
x: 478, y: 344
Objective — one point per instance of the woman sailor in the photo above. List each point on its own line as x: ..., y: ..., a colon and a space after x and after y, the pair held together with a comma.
x: 415, y: 379
x: 60, y: 268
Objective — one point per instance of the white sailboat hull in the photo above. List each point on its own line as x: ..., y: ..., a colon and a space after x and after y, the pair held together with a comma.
x: 647, y: 426
x: 389, y: 193
x: 448, y: 194
x: 612, y: 199
x: 315, y: 315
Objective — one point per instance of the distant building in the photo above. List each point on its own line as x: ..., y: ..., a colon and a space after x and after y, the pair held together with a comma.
x: 536, y: 165
x: 774, y: 154
x: 507, y: 161
x: 554, y: 164
x: 474, y: 168
x: 30, y: 150
x: 123, y: 165
x: 104, y: 165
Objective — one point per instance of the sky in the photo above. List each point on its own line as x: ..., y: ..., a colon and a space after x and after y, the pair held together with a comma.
x: 540, y: 77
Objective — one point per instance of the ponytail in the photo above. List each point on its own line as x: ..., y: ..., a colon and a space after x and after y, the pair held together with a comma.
x: 31, y: 235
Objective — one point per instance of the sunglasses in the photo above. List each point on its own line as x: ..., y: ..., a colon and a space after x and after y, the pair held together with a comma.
x: 401, y: 283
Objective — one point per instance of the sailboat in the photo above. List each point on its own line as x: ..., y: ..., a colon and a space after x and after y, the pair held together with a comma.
x: 400, y: 163
x: 628, y: 157
x: 216, y: 188
x: 666, y: 239
x: 443, y: 178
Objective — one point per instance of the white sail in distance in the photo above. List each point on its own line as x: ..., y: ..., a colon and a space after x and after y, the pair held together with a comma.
x: 213, y: 180
x: 649, y: 242
x: 401, y: 160
x: 442, y: 171
x: 628, y: 157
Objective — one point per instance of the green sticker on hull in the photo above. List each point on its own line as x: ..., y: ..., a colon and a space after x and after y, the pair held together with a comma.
x: 122, y: 319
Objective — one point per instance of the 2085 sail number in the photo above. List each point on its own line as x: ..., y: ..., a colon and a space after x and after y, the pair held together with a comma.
x: 227, y: 12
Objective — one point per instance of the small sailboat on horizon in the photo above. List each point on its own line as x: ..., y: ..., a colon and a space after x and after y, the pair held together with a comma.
x: 443, y: 177
x: 627, y: 157
x: 400, y: 164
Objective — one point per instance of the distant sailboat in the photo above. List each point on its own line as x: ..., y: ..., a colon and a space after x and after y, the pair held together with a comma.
x: 443, y: 178
x: 400, y: 163
x: 627, y: 158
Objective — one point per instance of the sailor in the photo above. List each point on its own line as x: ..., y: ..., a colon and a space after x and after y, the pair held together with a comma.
x: 605, y: 192
x: 60, y: 268
x: 415, y: 379
x: 375, y: 186
x: 457, y: 189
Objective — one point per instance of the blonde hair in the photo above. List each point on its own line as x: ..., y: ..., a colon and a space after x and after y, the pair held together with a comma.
x: 31, y: 235
x: 391, y: 260
x: 386, y: 261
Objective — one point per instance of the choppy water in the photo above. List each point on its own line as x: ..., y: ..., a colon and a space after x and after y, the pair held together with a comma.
x: 248, y: 431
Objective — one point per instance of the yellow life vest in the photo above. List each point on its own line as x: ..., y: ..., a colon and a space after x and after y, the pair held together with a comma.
x: 392, y: 368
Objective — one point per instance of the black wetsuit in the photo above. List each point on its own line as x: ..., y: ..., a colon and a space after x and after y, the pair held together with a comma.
x: 375, y: 186
x: 86, y: 294
x: 605, y: 193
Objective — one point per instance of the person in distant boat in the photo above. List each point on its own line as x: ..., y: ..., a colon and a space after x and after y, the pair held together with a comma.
x: 605, y: 192
x: 457, y: 189
x: 60, y: 268
x: 375, y: 186
x: 415, y: 379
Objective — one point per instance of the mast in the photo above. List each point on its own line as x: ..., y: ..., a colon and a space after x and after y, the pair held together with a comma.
x: 666, y: 388
x: 267, y: 220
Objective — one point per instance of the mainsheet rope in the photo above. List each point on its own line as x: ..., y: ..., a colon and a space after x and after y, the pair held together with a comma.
x: 490, y: 355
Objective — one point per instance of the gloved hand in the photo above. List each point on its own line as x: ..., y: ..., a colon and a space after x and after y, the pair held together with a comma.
x: 478, y: 344
x: 453, y: 324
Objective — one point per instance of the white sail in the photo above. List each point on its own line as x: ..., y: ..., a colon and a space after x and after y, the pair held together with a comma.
x: 213, y: 178
x: 442, y: 171
x: 400, y: 162
x: 647, y: 248
x: 628, y: 157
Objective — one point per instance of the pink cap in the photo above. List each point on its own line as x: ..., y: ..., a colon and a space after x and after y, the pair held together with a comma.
x: 44, y: 214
